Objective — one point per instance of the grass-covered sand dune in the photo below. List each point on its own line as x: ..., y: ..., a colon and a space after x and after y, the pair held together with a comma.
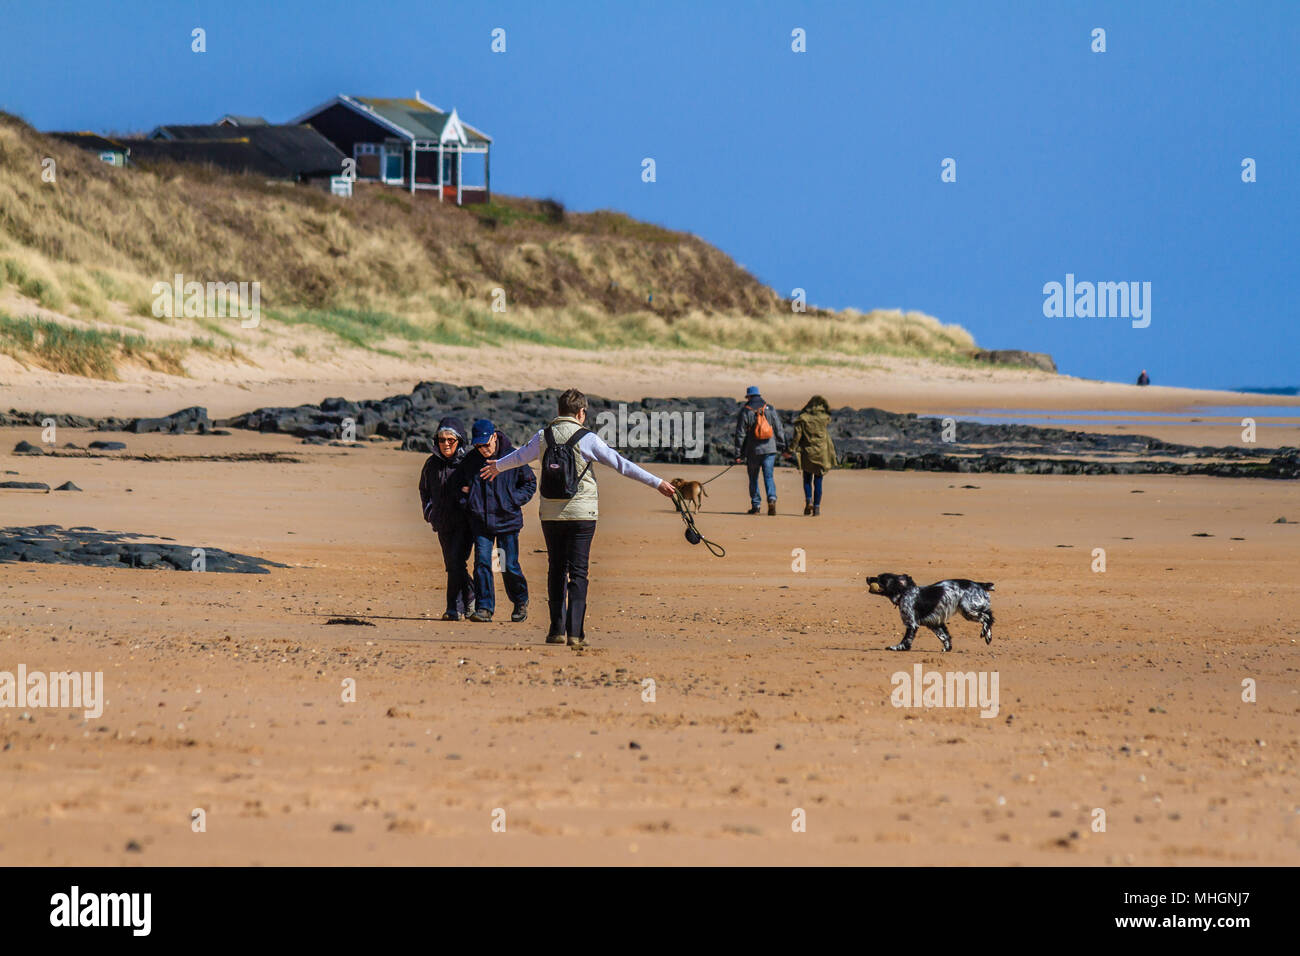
x: 382, y: 272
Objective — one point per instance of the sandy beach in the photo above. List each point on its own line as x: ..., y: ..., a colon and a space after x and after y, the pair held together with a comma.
x: 1120, y: 691
x: 896, y: 384
x: 258, y: 263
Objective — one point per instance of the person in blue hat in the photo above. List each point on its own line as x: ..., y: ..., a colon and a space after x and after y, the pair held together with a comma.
x: 759, y: 436
x: 495, y: 511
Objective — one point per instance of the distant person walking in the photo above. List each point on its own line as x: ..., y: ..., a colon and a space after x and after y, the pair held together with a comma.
x: 758, y: 436
x: 569, y: 506
x: 1144, y: 379
x: 439, y: 495
x: 813, y: 450
x: 495, y: 516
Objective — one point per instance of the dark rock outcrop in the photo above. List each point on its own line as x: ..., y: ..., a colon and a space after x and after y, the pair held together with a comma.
x: 864, y: 437
x: 52, y: 544
x: 16, y: 419
x: 194, y: 418
x: 25, y: 485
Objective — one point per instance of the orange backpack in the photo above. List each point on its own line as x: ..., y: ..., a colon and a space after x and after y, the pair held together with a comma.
x: 762, y: 427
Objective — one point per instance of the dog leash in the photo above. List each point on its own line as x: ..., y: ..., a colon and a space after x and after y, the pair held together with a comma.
x: 719, y: 474
x: 693, y: 533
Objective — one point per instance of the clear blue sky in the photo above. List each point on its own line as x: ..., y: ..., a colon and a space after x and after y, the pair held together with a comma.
x: 818, y: 170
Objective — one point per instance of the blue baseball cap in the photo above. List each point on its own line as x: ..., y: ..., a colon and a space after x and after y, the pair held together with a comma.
x: 483, y: 432
x: 752, y: 390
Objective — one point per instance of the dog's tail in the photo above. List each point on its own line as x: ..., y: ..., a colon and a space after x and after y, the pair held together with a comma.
x: 704, y: 491
x: 986, y: 585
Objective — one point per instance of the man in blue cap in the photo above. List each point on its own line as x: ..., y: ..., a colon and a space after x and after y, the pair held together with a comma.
x: 495, y: 510
x: 758, y: 437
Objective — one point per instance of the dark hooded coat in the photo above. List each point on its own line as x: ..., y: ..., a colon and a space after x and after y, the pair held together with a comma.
x: 439, y: 494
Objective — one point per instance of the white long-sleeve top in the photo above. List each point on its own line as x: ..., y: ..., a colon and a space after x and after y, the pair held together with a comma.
x: 591, y: 447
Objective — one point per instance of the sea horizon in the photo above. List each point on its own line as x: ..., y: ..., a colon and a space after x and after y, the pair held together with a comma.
x: 1269, y: 390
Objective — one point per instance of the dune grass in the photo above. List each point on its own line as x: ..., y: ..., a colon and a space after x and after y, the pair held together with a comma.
x: 94, y: 353
x: 805, y: 339
x: 386, y: 272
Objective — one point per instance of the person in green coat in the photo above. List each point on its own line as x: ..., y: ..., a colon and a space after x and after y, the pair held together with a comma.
x: 813, y: 450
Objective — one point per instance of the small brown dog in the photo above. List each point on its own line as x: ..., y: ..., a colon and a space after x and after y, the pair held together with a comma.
x: 692, y: 491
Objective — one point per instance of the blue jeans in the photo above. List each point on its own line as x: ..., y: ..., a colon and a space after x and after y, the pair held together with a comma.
x: 767, y: 463
x: 811, y: 482
x: 516, y: 585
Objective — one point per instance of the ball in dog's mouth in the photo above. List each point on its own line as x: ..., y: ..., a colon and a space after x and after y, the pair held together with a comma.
x: 873, y: 586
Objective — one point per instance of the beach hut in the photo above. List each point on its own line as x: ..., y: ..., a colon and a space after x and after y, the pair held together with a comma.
x: 408, y: 143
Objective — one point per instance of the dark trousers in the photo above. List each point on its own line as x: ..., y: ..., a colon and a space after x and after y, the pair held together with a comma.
x: 811, y: 482
x: 568, y: 550
x: 456, y: 542
x: 485, y: 597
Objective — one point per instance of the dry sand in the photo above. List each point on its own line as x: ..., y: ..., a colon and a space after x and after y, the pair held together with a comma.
x: 1119, y: 691
x: 896, y: 384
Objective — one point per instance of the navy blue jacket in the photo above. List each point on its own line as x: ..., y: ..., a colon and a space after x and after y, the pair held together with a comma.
x: 494, y: 507
x: 439, y: 493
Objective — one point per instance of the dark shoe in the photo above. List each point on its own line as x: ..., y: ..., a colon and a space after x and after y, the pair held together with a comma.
x: 817, y: 509
x: 480, y: 616
x: 450, y: 616
x: 771, y: 507
x: 578, y: 642
x: 520, y: 612
x: 554, y: 638
x: 753, y: 511
x: 807, y: 507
